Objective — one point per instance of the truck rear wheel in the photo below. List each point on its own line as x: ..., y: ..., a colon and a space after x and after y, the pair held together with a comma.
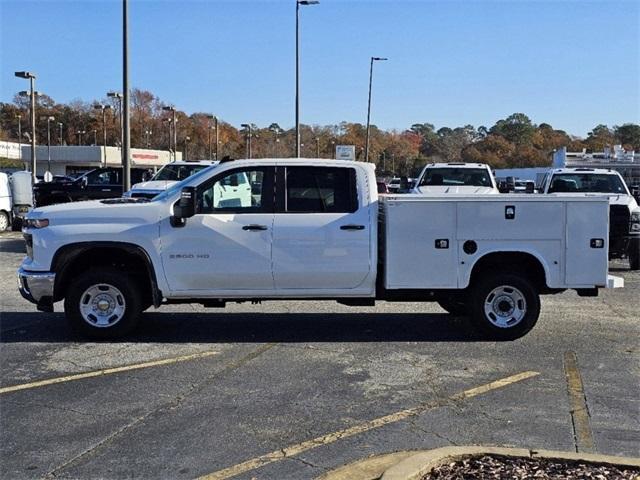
x: 102, y: 304
x: 505, y: 306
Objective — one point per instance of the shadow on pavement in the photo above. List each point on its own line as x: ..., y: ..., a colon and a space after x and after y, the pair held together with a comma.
x: 254, y: 328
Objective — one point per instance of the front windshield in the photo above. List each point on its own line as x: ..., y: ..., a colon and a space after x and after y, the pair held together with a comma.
x: 176, y: 187
x: 587, y: 183
x: 477, y: 177
x: 177, y: 172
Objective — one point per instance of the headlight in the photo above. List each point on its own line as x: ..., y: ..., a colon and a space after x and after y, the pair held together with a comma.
x: 36, y: 223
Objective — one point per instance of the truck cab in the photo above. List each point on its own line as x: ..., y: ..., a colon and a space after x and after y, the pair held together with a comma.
x: 624, y: 214
x: 445, y: 178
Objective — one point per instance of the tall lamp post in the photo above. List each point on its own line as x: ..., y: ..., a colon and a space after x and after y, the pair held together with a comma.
x: 148, y: 134
x: 60, y: 126
x: 298, y: 3
x: 209, y: 127
x: 187, y: 139
x: 104, y: 108
x: 48, y: 172
x: 169, y: 122
x: 248, y: 138
x: 117, y: 96
x: 175, y: 130
x: 19, y: 117
x: 317, y: 147
x: 31, y: 77
x: 366, y: 151
x: 79, y: 133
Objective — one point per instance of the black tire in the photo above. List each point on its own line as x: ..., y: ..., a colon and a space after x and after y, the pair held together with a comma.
x: 116, y: 289
x: 5, y: 222
x: 454, y: 306
x: 634, y: 255
x: 512, y: 303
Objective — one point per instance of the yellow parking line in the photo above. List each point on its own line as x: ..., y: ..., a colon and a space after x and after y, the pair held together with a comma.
x: 292, y: 450
x: 106, y: 371
x: 579, y: 412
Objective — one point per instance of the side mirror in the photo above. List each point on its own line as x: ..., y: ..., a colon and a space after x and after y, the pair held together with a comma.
x: 84, y: 182
x: 185, y: 207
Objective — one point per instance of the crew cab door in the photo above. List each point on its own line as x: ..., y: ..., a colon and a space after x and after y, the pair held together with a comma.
x: 226, y: 245
x: 321, y: 232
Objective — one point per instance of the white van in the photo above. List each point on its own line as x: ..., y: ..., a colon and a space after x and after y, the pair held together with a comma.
x: 5, y: 202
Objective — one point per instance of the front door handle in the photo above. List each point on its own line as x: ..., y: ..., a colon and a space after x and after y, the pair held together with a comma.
x: 352, y: 227
x: 254, y: 227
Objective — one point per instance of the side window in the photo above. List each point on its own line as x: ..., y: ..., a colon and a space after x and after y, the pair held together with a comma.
x: 101, y: 178
x: 321, y: 190
x: 238, y: 191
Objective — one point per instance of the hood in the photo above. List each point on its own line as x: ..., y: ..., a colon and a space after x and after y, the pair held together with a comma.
x: 88, y: 212
x: 158, y: 185
x: 464, y: 189
x: 614, y: 198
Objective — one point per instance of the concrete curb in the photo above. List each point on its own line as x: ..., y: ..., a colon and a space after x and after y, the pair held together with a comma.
x: 418, y: 465
x: 370, y: 468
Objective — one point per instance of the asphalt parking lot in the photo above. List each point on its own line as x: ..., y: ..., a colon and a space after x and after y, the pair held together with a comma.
x: 290, y: 390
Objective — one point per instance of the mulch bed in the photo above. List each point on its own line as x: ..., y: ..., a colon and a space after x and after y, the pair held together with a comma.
x: 503, y: 468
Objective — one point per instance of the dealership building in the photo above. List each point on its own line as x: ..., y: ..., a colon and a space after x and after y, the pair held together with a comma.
x: 75, y: 160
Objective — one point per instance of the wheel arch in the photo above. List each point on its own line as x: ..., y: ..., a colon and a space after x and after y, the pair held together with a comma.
x: 72, y: 258
x: 512, y: 261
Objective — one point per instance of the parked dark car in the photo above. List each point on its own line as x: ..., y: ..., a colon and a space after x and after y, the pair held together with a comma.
x: 93, y: 185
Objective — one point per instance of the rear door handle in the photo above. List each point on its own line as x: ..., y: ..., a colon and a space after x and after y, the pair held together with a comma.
x: 352, y: 227
x: 254, y: 227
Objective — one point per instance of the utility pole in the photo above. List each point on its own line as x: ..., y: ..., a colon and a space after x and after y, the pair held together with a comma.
x: 126, y: 159
x: 215, y: 126
x: 247, y: 126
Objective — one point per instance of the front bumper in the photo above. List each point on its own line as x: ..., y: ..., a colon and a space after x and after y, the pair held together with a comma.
x: 37, y: 287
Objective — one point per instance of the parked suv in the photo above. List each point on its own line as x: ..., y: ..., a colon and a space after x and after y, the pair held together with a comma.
x: 624, y: 213
x: 93, y: 185
x: 168, y: 175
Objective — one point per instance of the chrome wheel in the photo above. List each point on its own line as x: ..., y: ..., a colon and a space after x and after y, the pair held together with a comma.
x: 102, y: 305
x: 505, y: 306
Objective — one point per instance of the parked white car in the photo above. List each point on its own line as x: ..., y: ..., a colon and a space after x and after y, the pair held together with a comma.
x: 5, y: 202
x: 467, y: 178
x: 313, y: 229
x: 168, y: 175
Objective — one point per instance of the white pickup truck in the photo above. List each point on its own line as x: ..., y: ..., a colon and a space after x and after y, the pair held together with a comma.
x: 456, y: 177
x: 315, y: 230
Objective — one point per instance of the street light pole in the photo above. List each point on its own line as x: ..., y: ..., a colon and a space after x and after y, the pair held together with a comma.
x: 366, y: 152
x: 175, y: 131
x: 104, y: 109
x: 126, y: 158
x: 317, y: 147
x: 187, y: 139
x: 60, y: 125
x: 49, y: 120
x: 248, y: 138
x: 19, y: 117
x: 31, y: 77
x: 215, y: 126
x: 168, y: 121
x: 298, y: 3
x: 210, y: 117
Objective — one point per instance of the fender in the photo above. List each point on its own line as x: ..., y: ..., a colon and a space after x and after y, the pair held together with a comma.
x: 466, y: 276
x: 66, y: 254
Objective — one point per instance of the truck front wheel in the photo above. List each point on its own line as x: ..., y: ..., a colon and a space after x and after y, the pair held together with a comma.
x: 102, y: 304
x: 505, y: 306
x: 4, y: 221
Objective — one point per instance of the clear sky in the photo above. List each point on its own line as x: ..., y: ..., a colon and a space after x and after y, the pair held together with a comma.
x: 572, y: 64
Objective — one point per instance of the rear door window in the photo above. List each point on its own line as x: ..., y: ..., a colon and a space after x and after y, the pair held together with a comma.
x: 321, y: 190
